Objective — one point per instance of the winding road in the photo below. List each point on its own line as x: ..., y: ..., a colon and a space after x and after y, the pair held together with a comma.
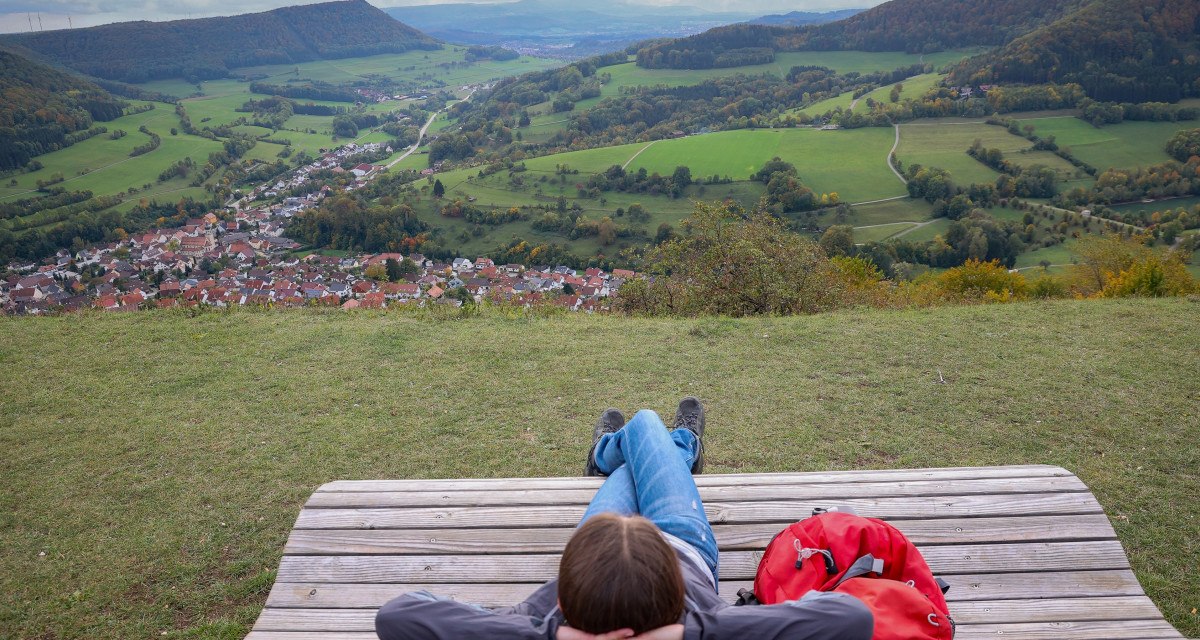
x: 420, y: 137
x: 895, y: 145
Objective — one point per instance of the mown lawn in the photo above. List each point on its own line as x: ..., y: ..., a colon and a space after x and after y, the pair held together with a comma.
x: 155, y: 462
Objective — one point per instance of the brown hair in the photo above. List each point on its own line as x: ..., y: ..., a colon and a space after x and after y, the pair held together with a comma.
x: 619, y: 572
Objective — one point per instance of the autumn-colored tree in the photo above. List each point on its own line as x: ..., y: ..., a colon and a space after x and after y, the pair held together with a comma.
x: 1112, y: 266
x: 734, y: 263
x: 986, y: 281
x: 607, y: 231
x: 838, y: 240
x: 376, y: 272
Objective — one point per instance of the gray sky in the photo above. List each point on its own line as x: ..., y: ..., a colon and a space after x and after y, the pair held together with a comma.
x: 17, y: 15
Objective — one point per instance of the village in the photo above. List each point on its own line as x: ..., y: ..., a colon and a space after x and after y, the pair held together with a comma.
x: 242, y: 258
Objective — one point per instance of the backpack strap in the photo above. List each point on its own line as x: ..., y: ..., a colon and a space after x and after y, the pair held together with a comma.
x: 746, y: 598
x: 864, y: 565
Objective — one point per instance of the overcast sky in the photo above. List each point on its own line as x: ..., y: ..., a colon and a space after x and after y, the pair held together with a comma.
x: 19, y: 15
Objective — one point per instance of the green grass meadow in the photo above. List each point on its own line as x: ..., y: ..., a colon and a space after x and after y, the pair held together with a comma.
x: 630, y: 75
x: 1124, y: 145
x: 911, y: 88
x: 155, y: 462
x: 944, y: 142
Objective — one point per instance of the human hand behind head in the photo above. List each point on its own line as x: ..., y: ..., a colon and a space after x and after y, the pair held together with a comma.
x: 669, y: 632
x: 567, y: 633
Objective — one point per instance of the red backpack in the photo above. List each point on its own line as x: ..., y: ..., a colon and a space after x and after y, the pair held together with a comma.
x: 864, y: 557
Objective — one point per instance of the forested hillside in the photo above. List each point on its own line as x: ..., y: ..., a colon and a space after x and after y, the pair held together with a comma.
x: 43, y: 109
x: 901, y: 25
x: 1118, y: 50
x: 209, y: 47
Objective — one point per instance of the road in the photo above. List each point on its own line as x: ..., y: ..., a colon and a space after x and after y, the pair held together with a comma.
x: 892, y: 152
x: 420, y: 137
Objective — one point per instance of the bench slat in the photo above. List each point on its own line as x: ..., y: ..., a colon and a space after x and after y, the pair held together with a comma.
x: 1105, y: 630
x: 706, y: 480
x: 735, y: 565
x: 729, y: 536
x: 829, y: 491
x: 999, y: 586
x: 782, y: 511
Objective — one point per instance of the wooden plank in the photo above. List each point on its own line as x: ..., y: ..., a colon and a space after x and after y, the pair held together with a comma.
x: 963, y: 588
x: 706, y: 480
x: 718, y: 512
x: 829, y: 491
x: 729, y: 536
x: 1117, y: 609
x: 735, y: 565
x: 323, y: 620
x: 1103, y: 630
x: 1057, y: 610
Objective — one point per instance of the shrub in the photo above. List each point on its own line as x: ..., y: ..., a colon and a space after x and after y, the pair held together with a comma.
x: 738, y: 264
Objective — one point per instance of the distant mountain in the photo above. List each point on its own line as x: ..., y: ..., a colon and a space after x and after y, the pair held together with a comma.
x: 43, y: 109
x: 801, y: 18
x: 915, y: 26
x: 1118, y: 50
x: 211, y: 47
x: 550, y: 26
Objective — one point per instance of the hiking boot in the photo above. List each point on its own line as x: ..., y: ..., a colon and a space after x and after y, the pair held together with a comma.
x: 610, y: 421
x: 690, y: 416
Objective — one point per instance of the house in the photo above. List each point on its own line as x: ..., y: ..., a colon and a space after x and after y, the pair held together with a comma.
x: 362, y: 170
x: 195, y: 246
x: 435, y: 292
x: 461, y: 264
x: 399, y: 290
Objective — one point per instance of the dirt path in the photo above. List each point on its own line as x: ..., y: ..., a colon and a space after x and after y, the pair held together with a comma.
x: 895, y: 145
x: 914, y: 228
x: 634, y: 157
x: 855, y: 204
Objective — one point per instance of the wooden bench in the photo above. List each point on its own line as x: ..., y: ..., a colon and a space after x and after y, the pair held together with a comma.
x: 1028, y: 551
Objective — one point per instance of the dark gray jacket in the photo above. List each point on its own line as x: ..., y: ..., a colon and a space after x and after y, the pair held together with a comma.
x: 819, y: 616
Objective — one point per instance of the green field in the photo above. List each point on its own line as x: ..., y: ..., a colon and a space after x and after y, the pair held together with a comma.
x: 137, y: 505
x: 104, y: 166
x: 438, y: 68
x: 631, y: 75
x: 944, y: 142
x: 912, y: 88
x: 1059, y: 254
x: 1124, y: 145
x: 881, y: 232
x: 926, y: 232
x: 1172, y: 204
x: 851, y: 163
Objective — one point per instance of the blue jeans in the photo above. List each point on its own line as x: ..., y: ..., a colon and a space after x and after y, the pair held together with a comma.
x: 650, y: 474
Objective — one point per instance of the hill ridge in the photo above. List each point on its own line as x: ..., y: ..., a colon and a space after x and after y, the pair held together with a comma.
x: 206, y: 48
